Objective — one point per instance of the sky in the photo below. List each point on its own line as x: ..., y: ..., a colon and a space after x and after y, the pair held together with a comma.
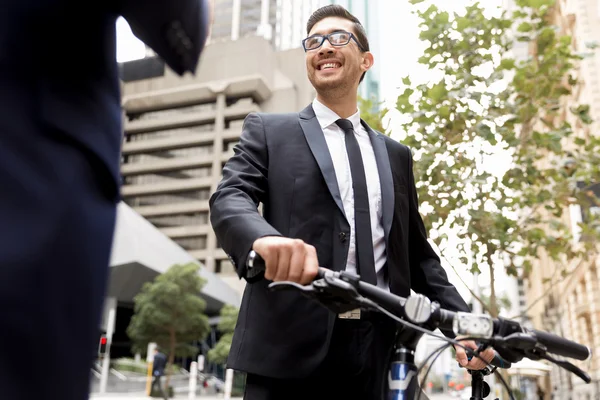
x: 400, y: 48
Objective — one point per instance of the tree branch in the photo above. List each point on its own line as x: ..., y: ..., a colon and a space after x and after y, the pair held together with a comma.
x: 485, y: 307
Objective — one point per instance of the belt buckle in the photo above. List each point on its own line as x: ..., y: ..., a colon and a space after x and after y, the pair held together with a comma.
x: 352, y: 314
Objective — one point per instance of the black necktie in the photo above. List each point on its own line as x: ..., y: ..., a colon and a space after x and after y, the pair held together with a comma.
x: 365, y: 259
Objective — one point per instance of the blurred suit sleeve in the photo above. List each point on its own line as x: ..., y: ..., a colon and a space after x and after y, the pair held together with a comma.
x: 175, y: 29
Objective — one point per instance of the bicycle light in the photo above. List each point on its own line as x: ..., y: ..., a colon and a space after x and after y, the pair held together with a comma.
x: 475, y: 325
x: 417, y: 308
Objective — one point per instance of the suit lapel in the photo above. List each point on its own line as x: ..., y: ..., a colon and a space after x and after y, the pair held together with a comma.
x: 318, y: 146
x: 385, y: 177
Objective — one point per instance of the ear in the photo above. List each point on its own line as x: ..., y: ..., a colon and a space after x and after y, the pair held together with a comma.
x: 367, y: 61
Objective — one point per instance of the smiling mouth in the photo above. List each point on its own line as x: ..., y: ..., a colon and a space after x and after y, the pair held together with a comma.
x: 331, y: 65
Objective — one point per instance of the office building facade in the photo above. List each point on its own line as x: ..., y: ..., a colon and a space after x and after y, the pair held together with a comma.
x: 234, y: 19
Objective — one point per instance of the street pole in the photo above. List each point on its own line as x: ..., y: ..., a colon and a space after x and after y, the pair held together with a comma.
x: 150, y: 361
x: 193, y: 380
x: 106, y: 360
x: 477, y: 307
x: 228, y: 383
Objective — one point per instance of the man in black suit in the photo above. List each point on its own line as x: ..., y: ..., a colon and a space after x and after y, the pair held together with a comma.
x: 335, y: 193
x: 60, y: 139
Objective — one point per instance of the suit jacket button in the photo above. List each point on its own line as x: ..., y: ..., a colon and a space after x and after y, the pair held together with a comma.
x: 343, y: 237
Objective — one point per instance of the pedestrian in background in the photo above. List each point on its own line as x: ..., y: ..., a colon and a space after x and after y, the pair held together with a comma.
x: 158, y: 371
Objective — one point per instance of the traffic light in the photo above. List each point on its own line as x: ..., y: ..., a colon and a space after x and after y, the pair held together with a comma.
x: 102, y: 345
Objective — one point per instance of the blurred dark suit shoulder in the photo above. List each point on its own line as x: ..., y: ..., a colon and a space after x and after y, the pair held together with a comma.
x: 60, y: 140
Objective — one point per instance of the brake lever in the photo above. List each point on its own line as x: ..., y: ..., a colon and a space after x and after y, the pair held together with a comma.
x: 568, y: 366
x: 287, y: 285
x: 528, y: 346
x: 337, y: 295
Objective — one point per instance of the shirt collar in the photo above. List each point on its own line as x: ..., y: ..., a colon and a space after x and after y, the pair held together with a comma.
x: 327, y: 117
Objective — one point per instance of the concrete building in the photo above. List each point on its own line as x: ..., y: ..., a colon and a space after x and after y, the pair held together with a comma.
x: 234, y: 19
x: 292, y: 18
x: 179, y: 132
x: 587, y: 35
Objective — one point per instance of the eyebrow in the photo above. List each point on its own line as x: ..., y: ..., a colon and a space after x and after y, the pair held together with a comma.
x: 332, y: 31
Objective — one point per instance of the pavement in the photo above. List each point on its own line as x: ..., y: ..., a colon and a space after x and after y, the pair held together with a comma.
x: 134, y: 396
x: 138, y: 396
x: 441, y: 396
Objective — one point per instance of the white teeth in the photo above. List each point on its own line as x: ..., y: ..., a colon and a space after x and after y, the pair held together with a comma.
x: 330, y: 65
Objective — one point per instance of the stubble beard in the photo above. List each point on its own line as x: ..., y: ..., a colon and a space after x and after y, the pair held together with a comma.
x: 331, y: 88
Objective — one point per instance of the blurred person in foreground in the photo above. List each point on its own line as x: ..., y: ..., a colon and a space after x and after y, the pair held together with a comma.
x: 60, y: 139
x: 335, y: 194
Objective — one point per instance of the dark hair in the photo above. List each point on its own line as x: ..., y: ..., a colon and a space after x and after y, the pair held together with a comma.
x: 335, y: 10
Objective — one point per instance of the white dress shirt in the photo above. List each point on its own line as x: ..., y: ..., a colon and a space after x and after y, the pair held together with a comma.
x: 336, y: 142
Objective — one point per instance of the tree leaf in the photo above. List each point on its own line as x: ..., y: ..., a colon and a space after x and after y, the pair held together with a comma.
x: 507, y: 64
x: 437, y: 92
x: 524, y: 27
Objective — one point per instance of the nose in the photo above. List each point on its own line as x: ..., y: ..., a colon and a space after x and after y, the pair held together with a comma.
x: 326, y: 47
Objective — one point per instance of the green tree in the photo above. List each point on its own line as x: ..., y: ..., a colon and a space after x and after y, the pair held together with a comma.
x: 481, y: 102
x: 170, y: 312
x: 219, y: 353
x: 371, y: 115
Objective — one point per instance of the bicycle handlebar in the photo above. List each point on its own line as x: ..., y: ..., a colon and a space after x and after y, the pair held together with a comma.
x: 563, y: 347
x: 342, y: 291
x: 554, y: 344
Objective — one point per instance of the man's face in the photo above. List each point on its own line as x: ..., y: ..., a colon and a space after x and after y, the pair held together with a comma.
x: 334, y: 67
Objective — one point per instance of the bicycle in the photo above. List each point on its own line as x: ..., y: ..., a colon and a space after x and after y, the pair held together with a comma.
x: 341, y: 292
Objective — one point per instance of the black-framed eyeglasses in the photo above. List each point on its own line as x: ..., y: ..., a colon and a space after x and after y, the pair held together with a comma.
x: 338, y: 39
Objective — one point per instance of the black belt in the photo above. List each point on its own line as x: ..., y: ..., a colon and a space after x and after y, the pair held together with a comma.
x: 365, y: 315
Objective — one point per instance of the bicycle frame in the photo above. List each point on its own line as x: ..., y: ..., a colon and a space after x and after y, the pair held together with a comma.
x: 402, y: 380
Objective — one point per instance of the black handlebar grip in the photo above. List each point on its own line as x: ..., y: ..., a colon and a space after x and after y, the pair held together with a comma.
x: 561, y: 346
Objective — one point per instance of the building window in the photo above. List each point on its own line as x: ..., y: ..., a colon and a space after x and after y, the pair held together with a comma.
x: 167, y: 133
x: 193, y: 243
x: 173, y: 112
x: 173, y: 176
x: 189, y: 219
x: 175, y: 198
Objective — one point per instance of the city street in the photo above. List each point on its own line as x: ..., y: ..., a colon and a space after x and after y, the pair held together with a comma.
x: 132, y: 396
x: 441, y: 396
x: 138, y: 396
